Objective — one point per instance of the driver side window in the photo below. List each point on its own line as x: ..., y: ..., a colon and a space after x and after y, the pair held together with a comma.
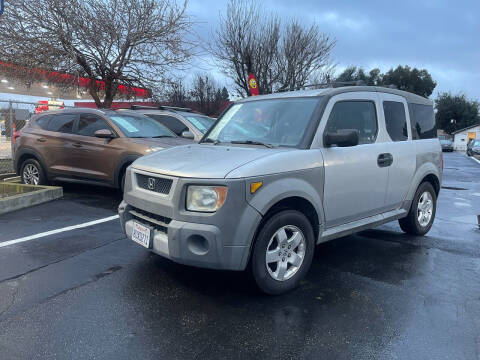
x: 354, y: 115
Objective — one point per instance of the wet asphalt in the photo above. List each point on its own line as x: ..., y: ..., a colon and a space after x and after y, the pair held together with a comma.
x: 380, y: 294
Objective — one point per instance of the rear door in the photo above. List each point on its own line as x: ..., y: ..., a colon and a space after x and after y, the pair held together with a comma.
x: 355, y: 183
x: 394, y: 112
x: 94, y: 158
x: 55, y: 143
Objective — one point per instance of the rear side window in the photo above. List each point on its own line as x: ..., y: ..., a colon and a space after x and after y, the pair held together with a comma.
x: 423, y: 121
x: 43, y: 121
x: 395, y: 120
x: 170, y: 122
x: 89, y: 123
x: 62, y: 123
x: 355, y: 115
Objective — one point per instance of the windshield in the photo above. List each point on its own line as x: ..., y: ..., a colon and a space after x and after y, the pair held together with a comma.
x: 140, y: 126
x: 279, y: 122
x: 202, y: 123
x: 445, y: 141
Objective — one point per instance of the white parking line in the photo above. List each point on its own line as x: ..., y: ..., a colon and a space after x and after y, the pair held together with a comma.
x: 56, y: 231
x: 474, y: 158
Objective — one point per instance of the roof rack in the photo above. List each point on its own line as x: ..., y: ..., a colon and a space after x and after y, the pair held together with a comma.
x: 160, y: 107
x: 335, y: 84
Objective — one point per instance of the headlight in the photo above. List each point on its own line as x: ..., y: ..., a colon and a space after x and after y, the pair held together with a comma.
x: 205, y: 198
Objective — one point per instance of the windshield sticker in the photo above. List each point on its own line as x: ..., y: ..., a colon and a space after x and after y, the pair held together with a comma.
x: 125, y: 124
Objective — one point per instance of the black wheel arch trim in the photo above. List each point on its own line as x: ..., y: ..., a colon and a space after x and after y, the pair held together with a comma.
x: 126, y: 160
x: 28, y: 151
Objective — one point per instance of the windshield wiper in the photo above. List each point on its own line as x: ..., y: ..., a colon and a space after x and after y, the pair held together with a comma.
x: 251, y: 142
x: 162, y: 136
x: 210, y: 140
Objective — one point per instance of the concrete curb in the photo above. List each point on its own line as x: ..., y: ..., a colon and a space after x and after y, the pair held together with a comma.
x: 35, y: 195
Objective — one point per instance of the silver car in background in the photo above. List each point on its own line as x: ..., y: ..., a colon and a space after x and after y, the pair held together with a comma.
x: 278, y: 174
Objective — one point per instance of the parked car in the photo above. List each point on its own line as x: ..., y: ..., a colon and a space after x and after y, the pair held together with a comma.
x: 87, y: 145
x: 473, y: 147
x: 278, y: 174
x: 182, y: 121
x: 446, y: 144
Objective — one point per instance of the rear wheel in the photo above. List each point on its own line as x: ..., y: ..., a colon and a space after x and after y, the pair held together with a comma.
x: 283, y: 252
x: 422, y: 212
x: 32, y: 173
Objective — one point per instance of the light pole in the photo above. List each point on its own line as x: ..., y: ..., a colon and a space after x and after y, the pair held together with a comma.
x: 454, y: 122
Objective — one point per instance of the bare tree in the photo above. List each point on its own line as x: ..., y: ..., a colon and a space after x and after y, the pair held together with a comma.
x: 247, y: 42
x: 281, y: 57
x: 111, y: 42
x: 206, y: 95
x: 177, y: 94
x: 303, y: 52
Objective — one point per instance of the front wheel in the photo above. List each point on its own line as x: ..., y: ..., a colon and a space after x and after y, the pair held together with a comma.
x: 422, y: 212
x: 283, y: 252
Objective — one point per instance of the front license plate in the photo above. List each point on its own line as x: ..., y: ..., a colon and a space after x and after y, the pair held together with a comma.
x: 141, y: 234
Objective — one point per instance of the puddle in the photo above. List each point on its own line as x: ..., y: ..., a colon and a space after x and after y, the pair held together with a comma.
x: 7, y: 190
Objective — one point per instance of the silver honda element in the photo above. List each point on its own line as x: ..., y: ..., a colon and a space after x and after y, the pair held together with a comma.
x: 279, y: 173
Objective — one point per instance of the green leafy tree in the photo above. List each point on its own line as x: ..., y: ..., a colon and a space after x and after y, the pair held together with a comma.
x: 416, y: 81
x: 458, y: 108
x: 354, y: 73
x: 225, y: 96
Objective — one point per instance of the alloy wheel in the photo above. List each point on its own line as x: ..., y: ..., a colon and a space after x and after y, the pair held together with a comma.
x: 425, y: 209
x: 285, y: 252
x: 31, y: 174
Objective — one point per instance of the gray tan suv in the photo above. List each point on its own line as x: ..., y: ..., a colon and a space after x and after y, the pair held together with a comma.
x: 278, y: 174
x: 87, y: 145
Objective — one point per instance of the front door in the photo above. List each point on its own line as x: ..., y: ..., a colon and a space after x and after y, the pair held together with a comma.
x: 355, y: 183
x: 94, y: 158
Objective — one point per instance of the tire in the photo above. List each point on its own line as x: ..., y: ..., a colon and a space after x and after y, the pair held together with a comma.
x: 411, y: 224
x: 287, y: 225
x: 32, y: 173
x: 122, y: 182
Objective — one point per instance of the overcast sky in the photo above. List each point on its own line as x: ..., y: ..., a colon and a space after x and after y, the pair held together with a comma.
x: 441, y: 36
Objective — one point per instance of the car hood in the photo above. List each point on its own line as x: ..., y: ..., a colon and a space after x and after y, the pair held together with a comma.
x: 202, y: 161
x: 165, y: 142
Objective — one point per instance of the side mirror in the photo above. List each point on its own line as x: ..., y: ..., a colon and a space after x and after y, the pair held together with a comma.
x: 341, y: 138
x: 188, y: 135
x: 104, y: 134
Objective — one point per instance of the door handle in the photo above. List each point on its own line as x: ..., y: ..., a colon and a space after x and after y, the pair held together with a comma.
x: 384, y: 160
x: 77, y: 145
x: 41, y: 139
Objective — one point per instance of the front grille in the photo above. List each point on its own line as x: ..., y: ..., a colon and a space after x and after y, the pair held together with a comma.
x: 153, y: 183
x: 158, y: 222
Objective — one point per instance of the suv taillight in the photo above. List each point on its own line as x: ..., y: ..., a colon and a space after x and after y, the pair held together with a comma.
x: 16, y: 134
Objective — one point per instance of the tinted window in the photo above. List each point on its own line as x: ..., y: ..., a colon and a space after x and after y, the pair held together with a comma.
x: 62, y: 123
x: 281, y: 122
x: 140, y: 126
x: 43, y: 121
x: 422, y: 121
x: 395, y: 120
x: 170, y: 122
x: 89, y: 123
x: 355, y: 115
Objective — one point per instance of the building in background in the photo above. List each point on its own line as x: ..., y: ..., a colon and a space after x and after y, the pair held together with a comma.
x: 462, y: 137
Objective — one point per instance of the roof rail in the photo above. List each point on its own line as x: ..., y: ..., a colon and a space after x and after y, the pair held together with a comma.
x: 160, y: 107
x: 335, y: 84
